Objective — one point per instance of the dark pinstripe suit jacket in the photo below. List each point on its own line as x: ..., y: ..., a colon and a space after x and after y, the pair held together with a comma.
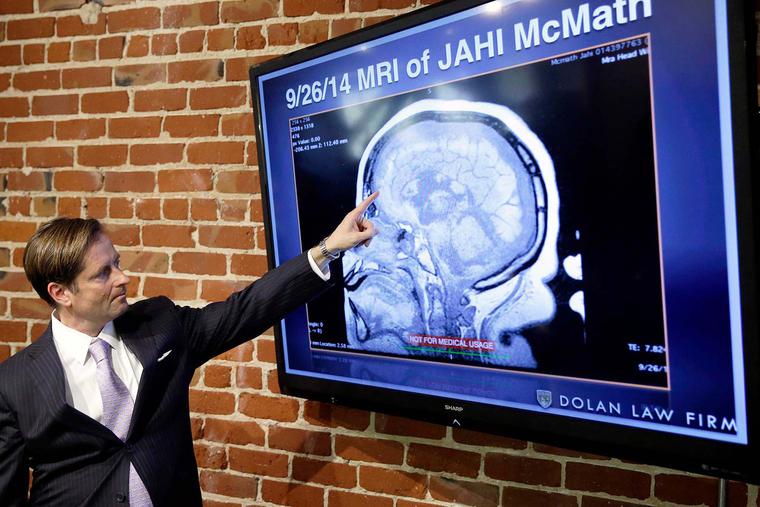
x: 76, y: 460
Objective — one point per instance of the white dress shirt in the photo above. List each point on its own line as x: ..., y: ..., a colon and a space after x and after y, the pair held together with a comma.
x: 82, y: 391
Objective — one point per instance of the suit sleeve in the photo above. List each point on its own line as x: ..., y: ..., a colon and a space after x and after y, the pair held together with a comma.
x: 221, y: 326
x: 14, y: 471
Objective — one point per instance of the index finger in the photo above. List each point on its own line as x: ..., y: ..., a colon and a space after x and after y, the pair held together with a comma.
x: 362, y: 207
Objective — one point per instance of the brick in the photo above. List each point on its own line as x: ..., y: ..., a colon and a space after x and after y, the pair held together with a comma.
x: 369, y: 449
x: 199, y: 125
x: 228, y: 485
x: 259, y: 462
x: 133, y: 19
x: 33, y: 28
x: 299, y: 440
x: 137, y: 46
x: 160, y: 100
x: 78, y: 181
x: 18, y: 6
x: 464, y: 493
x: 80, y: 129
x: 402, y: 426
x: 470, y: 437
x: 69, y: 206
x: 322, y: 472
x: 218, y: 97
x: 34, y: 53
x: 339, y: 498
x: 199, y: 263
x: 50, y: 157
x: 615, y: 481
x: 190, y: 180
x: 139, y: 75
x: 84, y: 50
x: 69, y: 26
x: 265, y: 351
x: 58, y: 52
x: 533, y: 497
x: 249, y: 265
x: 286, y: 493
x: 130, y: 181
x: 308, y: 7
x: 19, y: 205
x: 10, y: 55
x: 343, y: 26
x: 312, y: 32
x: 96, y: 207
x: 30, y: 131
x: 557, y: 451
x: 217, y: 236
x: 268, y: 407
x: 105, y: 102
x: 168, y: 235
x: 111, y: 47
x: 375, y: 20
x: 523, y: 469
x: 238, y: 182
x: 248, y: 10
x: 181, y: 16
x: 178, y: 290
x: 233, y: 432
x: 59, y: 5
x: 175, y: 209
x: 240, y: 124
x: 150, y: 154
x: 592, y: 501
x: 333, y: 416
x: 196, y: 70
x: 442, y: 459
x: 248, y: 377
x: 192, y: 41
x: 90, y: 77
x: 236, y: 69
x: 102, y: 156
x: 208, y: 456
x: 393, y: 482
x: 249, y: 37
x: 221, y: 39
x: 219, y: 152
x: 5, y: 82
x: 124, y: 234
x: 19, y: 232
x: 121, y: 207
x: 135, y: 127
x: 233, y: 210
x: 219, y: 290
x: 14, y: 107
x: 55, y: 104
x: 683, y: 489
x: 44, y: 206
x: 144, y: 261
x: 42, y: 80
x: 164, y: 44
x: 216, y: 375
x: 13, y: 331
x: 203, y: 209
x: 148, y: 209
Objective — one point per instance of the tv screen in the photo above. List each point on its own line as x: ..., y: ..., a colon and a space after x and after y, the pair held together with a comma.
x: 565, y: 248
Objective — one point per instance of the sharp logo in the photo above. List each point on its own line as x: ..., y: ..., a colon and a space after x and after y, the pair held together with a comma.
x: 453, y: 408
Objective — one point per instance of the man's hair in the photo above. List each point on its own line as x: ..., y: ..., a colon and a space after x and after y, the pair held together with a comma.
x: 56, y: 253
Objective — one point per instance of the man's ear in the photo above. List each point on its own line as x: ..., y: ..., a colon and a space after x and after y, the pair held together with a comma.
x: 59, y: 293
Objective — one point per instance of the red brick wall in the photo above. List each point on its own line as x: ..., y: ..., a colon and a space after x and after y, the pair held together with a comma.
x: 141, y: 117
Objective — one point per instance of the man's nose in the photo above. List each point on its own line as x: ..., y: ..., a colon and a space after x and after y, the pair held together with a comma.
x: 122, y: 278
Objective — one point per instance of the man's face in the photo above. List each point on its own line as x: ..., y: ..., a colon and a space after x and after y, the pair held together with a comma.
x: 99, y: 292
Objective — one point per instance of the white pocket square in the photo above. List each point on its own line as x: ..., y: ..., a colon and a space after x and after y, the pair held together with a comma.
x: 163, y: 356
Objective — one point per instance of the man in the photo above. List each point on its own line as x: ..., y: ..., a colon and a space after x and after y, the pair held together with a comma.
x: 98, y: 405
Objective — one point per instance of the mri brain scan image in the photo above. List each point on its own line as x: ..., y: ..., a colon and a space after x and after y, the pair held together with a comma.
x: 468, y: 223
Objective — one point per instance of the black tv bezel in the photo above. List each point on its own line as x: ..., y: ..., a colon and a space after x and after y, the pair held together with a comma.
x: 720, y: 459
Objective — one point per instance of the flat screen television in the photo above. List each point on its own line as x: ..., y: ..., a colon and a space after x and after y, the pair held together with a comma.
x: 566, y: 250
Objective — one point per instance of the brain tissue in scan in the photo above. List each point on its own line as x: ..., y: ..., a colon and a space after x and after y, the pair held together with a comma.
x: 468, y: 224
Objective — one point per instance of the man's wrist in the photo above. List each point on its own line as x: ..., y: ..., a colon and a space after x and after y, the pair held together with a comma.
x: 327, y: 252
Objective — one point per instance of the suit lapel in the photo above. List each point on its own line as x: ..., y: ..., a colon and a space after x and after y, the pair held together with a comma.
x: 49, y: 378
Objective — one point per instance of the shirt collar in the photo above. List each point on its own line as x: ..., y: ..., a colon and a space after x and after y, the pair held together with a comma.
x: 74, y: 346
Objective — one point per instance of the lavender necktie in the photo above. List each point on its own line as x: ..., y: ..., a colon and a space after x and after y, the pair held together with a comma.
x: 117, y: 412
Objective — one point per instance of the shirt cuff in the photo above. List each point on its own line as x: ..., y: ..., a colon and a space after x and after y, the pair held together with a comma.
x: 324, y: 275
